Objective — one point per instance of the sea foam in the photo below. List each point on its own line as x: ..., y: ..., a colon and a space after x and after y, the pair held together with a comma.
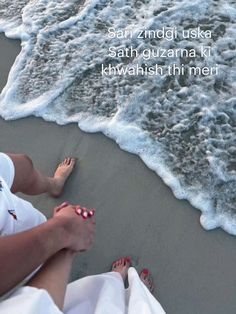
x: 182, y: 127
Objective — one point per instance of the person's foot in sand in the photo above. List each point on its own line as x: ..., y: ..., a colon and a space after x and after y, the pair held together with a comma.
x: 61, y: 174
x: 121, y: 266
x: 146, y: 278
x: 30, y: 181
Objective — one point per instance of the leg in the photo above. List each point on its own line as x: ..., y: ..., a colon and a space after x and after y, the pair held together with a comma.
x: 54, y: 276
x: 30, y: 181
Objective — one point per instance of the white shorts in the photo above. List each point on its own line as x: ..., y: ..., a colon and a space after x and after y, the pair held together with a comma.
x: 16, y: 214
x: 7, y: 170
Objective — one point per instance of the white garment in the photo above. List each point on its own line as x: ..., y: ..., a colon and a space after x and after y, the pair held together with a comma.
x: 105, y: 294
x: 100, y: 294
x: 7, y: 170
x: 16, y: 214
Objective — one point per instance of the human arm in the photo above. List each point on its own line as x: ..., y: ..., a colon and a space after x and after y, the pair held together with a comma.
x: 54, y: 274
x: 22, y: 253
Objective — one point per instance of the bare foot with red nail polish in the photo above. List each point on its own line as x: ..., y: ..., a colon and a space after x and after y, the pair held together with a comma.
x: 121, y: 266
x: 146, y: 278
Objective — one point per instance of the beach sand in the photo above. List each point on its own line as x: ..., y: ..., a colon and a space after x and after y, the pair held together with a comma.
x: 137, y: 214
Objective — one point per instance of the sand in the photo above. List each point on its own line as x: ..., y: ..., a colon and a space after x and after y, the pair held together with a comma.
x: 137, y: 214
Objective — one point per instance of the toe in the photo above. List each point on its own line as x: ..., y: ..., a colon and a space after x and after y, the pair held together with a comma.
x: 144, y: 277
x: 128, y: 260
x: 144, y: 273
x: 71, y: 162
x: 114, y: 265
x: 63, y: 162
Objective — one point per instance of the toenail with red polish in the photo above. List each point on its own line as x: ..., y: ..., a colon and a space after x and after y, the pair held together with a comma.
x: 128, y: 259
x: 145, y: 271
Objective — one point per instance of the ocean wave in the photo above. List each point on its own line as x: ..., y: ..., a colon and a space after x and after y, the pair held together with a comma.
x: 183, y: 127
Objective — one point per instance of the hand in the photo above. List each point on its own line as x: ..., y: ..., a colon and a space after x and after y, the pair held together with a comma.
x: 80, y: 231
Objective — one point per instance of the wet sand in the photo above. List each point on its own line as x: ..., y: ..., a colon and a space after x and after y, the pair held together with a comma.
x: 137, y: 214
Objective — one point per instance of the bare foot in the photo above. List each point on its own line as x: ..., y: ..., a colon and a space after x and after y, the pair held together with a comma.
x: 61, y: 174
x: 121, y: 266
x: 146, y: 278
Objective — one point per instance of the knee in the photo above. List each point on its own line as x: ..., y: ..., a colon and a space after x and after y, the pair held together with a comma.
x: 24, y: 170
x: 31, y: 176
x: 27, y: 161
x: 28, y: 169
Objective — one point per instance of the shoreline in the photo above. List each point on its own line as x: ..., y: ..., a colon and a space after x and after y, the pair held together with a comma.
x: 137, y: 213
